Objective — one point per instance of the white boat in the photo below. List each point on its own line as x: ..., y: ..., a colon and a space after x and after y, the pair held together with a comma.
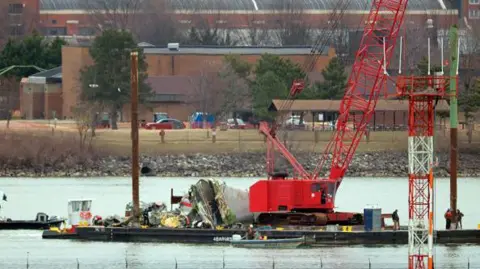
x: 238, y: 242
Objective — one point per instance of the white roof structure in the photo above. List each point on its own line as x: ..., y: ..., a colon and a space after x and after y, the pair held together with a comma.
x: 259, y: 5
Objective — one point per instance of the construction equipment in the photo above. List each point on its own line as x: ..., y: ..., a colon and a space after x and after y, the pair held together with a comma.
x: 306, y: 198
x: 423, y: 94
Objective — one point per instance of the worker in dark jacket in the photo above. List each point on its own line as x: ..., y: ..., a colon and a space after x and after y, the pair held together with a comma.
x: 396, y: 220
x: 459, y: 216
x: 250, y: 233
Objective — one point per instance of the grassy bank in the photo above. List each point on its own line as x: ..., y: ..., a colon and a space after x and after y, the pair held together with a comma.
x: 35, y: 141
x: 36, y: 151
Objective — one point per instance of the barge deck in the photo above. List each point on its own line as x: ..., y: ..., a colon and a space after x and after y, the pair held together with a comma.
x: 166, y: 235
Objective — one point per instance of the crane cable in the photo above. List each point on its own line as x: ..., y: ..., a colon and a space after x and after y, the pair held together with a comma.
x: 325, y: 36
x: 359, y: 25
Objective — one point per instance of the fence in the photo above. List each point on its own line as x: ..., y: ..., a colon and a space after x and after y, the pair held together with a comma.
x: 251, y: 139
x: 266, y: 263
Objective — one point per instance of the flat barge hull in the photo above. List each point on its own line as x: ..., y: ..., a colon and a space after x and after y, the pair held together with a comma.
x: 195, y: 236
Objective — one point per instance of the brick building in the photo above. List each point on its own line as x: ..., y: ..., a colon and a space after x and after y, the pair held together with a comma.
x: 41, y: 94
x: 18, y: 17
x: 170, y: 75
x: 72, y: 17
x: 471, y: 10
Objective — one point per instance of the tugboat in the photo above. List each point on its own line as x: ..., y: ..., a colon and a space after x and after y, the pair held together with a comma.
x: 41, y: 221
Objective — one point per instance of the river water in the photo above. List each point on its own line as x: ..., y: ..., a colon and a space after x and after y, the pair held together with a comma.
x: 26, y: 197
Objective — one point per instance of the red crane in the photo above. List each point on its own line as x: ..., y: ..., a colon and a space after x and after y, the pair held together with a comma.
x: 307, y: 198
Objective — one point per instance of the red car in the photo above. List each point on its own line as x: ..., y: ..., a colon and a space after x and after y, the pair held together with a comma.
x: 165, y: 124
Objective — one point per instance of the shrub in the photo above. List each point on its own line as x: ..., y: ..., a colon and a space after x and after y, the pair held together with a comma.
x: 42, y: 149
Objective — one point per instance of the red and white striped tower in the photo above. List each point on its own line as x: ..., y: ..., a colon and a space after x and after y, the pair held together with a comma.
x: 423, y: 93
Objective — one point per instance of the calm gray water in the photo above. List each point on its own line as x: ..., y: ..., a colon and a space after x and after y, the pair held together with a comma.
x: 29, y: 196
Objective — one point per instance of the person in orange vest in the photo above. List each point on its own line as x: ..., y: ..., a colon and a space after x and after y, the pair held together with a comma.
x: 448, y: 219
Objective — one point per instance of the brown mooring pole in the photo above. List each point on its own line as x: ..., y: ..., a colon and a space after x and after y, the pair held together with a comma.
x: 134, y: 134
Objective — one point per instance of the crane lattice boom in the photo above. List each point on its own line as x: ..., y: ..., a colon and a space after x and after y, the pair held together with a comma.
x: 305, y: 198
x: 364, y: 84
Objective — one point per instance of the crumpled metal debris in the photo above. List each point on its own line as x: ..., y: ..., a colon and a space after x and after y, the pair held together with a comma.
x: 209, y: 203
x: 217, y: 204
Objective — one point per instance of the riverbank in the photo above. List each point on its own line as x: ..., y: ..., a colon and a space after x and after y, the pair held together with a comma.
x: 374, y: 164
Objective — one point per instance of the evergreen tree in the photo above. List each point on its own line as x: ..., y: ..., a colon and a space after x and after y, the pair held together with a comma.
x: 267, y: 87
x: 32, y: 50
x: 422, y: 67
x: 469, y: 100
x: 284, y: 69
x: 273, y: 79
x: 333, y: 86
x: 111, y: 72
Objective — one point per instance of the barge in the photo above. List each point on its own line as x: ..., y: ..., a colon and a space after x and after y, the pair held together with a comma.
x: 224, y: 236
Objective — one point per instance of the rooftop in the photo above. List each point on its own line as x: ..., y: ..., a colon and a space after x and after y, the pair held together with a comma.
x: 53, y: 75
x: 259, y: 5
x: 251, y: 50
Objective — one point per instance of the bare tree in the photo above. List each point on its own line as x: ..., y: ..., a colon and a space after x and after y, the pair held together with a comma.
x: 205, y: 95
x: 235, y: 94
x: 469, y: 84
x: 117, y: 14
x: 256, y: 32
x: 158, y: 25
x: 470, y: 47
x: 218, y: 91
x: 85, y: 115
x: 9, y: 98
x: 291, y: 26
x: 149, y: 20
x: 218, y: 33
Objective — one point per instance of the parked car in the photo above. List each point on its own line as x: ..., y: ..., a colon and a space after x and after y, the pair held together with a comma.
x: 165, y: 124
x: 294, y: 123
x: 293, y: 120
x: 240, y: 124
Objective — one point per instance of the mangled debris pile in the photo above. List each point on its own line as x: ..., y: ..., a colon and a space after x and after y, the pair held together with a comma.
x: 208, y: 203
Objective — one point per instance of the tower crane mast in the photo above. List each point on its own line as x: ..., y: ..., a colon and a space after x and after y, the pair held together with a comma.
x: 308, y: 198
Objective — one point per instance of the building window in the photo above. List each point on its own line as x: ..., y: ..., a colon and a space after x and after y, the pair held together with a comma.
x: 56, y: 31
x: 86, y: 31
x: 166, y: 98
x: 54, y: 21
x: 15, y: 8
x: 474, y: 2
x: 474, y: 13
x: 16, y: 29
x: 258, y: 22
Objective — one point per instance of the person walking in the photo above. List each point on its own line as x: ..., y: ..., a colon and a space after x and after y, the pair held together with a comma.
x: 396, y: 220
x: 459, y: 216
x: 448, y: 219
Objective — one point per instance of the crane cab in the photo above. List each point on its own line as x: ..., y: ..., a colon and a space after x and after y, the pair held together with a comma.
x: 79, y: 212
x: 287, y: 195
